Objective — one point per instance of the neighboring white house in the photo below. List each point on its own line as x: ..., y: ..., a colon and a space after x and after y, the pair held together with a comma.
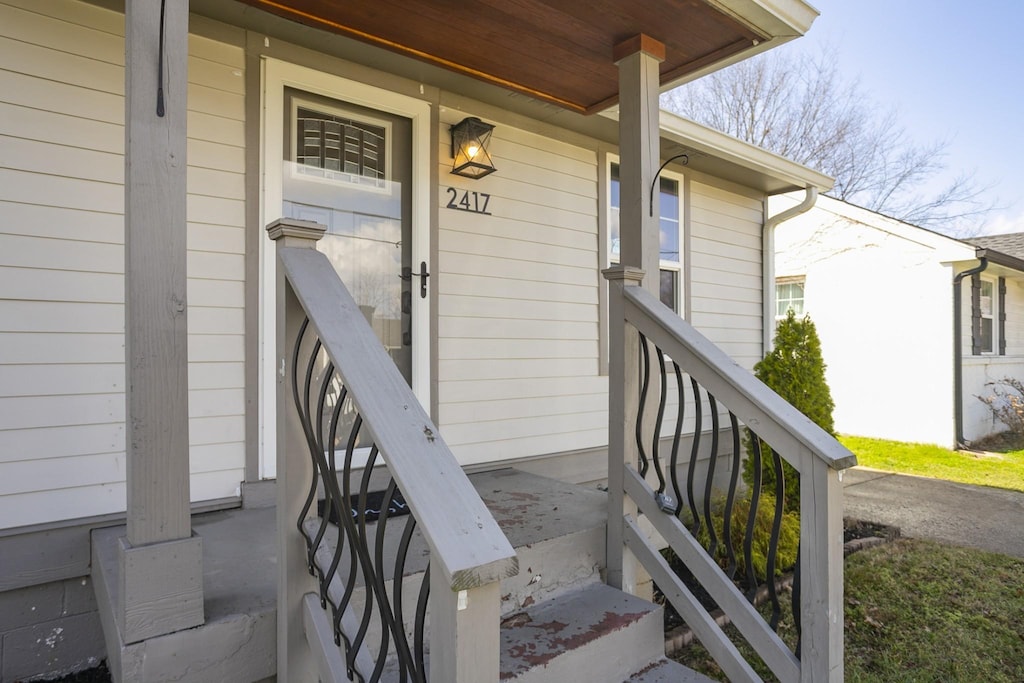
x: 881, y: 294
x: 503, y: 337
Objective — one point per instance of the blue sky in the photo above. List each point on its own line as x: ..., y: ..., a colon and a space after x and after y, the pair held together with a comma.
x: 953, y: 70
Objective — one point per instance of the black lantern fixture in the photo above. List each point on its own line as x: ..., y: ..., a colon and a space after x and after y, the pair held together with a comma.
x: 469, y: 148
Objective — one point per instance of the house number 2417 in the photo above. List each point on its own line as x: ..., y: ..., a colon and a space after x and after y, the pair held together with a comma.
x: 474, y: 202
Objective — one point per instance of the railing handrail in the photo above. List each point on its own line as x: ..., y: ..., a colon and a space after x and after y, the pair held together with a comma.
x: 466, y: 543
x: 753, y: 402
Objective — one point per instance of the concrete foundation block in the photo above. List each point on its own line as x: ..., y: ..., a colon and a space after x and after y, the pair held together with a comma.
x: 79, y: 596
x: 30, y: 606
x: 161, y: 588
x: 55, y: 648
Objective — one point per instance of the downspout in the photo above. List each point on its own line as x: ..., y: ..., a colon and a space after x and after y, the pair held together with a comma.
x: 958, y: 358
x: 768, y: 260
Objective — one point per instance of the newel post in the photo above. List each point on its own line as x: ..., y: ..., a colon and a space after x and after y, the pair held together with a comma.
x: 465, y: 639
x: 821, y: 574
x: 624, y: 571
x: 295, y: 662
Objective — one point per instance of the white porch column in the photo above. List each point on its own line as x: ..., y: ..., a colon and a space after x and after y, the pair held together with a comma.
x: 161, y: 577
x: 639, y: 235
x: 639, y: 155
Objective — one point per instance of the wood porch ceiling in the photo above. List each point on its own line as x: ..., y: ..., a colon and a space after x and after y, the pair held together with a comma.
x: 559, y: 51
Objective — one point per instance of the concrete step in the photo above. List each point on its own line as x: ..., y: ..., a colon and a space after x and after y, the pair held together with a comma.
x: 667, y: 671
x: 596, y: 633
x: 558, y: 531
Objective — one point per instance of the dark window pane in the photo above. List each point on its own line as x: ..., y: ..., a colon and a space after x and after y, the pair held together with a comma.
x: 986, y: 335
x: 668, y: 201
x: 668, y: 289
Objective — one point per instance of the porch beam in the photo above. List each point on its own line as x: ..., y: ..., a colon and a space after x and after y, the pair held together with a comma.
x: 639, y: 154
x: 159, y: 531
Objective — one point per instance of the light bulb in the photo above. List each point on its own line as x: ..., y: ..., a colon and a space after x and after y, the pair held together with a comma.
x: 472, y: 149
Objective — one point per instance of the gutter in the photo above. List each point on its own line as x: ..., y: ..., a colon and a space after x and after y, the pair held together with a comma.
x: 768, y: 260
x: 959, y: 442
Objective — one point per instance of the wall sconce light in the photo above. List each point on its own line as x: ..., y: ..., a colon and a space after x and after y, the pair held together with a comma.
x: 469, y: 148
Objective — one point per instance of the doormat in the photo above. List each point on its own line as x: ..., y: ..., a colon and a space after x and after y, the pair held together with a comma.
x: 374, y: 502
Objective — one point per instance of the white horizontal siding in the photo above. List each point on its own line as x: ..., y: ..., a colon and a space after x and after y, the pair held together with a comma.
x: 518, y: 305
x: 726, y: 269
x: 1014, y: 317
x: 62, y: 263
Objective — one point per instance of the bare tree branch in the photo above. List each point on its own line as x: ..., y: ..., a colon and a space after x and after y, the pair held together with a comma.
x: 802, y: 108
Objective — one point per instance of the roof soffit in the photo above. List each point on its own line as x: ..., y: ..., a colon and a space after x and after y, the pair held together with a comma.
x: 558, y: 51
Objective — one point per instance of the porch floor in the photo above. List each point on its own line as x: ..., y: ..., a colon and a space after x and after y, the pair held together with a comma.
x: 238, y: 640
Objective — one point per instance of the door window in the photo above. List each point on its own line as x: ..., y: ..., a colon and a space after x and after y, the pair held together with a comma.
x: 348, y: 168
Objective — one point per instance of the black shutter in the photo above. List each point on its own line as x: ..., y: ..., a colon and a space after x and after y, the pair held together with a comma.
x: 976, y: 314
x: 1002, y: 316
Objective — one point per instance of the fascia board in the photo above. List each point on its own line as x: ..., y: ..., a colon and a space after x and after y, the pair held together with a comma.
x: 1001, y: 259
x: 779, y: 21
x: 773, y: 18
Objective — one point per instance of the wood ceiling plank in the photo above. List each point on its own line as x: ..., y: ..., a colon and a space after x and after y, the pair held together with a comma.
x: 557, y: 50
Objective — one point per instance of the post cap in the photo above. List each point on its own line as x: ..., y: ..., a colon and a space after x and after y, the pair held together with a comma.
x: 627, y: 274
x: 296, y: 229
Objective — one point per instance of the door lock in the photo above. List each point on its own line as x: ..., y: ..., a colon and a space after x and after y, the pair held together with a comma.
x: 407, y: 275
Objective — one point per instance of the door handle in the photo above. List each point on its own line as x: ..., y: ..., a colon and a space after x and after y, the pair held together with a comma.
x: 407, y: 275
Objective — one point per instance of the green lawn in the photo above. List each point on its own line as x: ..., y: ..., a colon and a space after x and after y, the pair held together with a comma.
x: 1001, y: 470
x: 918, y: 611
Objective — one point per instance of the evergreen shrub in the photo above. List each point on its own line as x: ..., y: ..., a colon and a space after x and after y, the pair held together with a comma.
x: 789, y: 536
x: 795, y: 369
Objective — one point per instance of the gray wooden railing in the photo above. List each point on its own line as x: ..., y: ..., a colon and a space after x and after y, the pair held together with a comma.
x: 638, y: 322
x: 325, y: 338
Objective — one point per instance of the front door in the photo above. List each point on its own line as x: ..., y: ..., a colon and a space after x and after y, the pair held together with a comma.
x: 355, y: 159
x: 349, y: 168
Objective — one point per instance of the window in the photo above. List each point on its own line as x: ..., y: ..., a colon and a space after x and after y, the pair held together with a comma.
x: 670, y: 208
x: 987, y: 306
x: 329, y: 144
x: 789, y: 295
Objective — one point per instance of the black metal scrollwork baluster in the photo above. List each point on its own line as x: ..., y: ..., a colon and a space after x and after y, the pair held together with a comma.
x: 302, y: 407
x: 755, y: 498
x: 676, y: 437
x: 362, y: 547
x: 691, y: 471
x: 420, y: 630
x: 398, y: 579
x: 326, y: 474
x: 665, y: 502
x: 730, y: 550
x: 709, y: 480
x: 645, y: 371
x: 334, y: 500
x: 773, y: 544
x: 348, y: 524
x: 387, y: 609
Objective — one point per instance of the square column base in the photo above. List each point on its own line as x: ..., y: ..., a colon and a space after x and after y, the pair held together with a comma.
x: 161, y: 588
